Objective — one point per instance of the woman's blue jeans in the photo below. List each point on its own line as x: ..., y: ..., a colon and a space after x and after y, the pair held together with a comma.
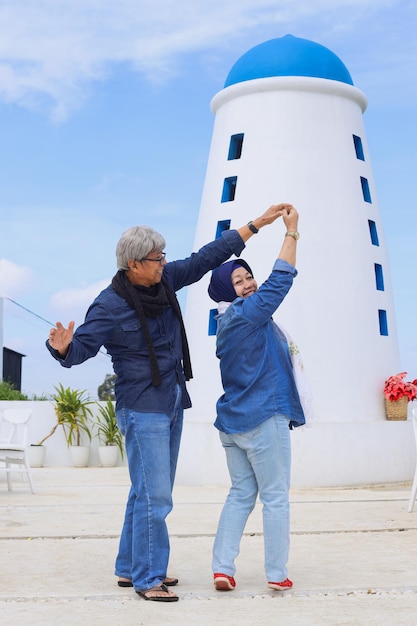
x: 152, y: 442
x: 258, y: 461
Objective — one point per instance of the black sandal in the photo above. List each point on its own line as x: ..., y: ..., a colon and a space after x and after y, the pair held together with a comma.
x: 164, y: 588
x: 168, y: 582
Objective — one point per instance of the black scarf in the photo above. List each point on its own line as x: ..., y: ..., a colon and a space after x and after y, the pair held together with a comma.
x: 151, y: 302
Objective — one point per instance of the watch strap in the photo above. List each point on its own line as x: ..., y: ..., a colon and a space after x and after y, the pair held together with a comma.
x: 293, y: 233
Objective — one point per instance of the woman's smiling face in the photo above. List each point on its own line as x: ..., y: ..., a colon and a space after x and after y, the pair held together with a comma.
x: 243, y: 282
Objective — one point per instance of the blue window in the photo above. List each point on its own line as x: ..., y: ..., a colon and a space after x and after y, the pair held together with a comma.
x: 212, y: 327
x: 229, y: 189
x: 365, y: 189
x: 383, y: 324
x: 358, y: 147
x: 221, y: 226
x: 379, y: 277
x: 235, y: 147
x: 373, y: 232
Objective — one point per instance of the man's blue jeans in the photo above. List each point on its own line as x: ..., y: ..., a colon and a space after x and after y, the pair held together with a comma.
x: 258, y: 460
x: 152, y: 442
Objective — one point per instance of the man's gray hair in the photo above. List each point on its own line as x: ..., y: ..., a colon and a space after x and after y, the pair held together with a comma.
x: 136, y: 243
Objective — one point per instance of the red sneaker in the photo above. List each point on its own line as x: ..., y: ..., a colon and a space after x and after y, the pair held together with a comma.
x: 223, y: 582
x: 286, y: 584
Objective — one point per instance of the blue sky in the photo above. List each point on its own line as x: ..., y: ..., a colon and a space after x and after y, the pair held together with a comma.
x: 105, y: 123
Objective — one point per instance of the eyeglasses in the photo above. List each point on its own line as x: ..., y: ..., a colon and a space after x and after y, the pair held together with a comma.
x: 160, y: 260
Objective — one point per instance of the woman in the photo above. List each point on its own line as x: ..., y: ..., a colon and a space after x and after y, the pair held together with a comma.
x: 259, y: 406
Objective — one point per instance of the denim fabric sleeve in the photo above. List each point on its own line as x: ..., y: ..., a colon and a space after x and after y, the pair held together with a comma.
x: 187, y: 271
x: 261, y: 305
x: 88, y: 338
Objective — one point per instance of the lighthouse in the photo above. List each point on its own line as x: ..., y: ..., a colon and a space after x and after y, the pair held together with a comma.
x: 288, y: 127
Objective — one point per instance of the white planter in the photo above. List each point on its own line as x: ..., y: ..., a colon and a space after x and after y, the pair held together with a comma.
x: 108, y: 455
x: 80, y: 455
x: 36, y: 455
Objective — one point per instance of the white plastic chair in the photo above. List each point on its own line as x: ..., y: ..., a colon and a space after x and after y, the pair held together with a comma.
x: 13, y: 446
x: 414, y: 487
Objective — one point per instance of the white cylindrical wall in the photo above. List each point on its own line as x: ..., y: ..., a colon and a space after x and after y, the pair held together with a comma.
x: 298, y: 147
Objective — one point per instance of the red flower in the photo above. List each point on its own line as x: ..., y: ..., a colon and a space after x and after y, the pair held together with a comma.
x: 396, y: 387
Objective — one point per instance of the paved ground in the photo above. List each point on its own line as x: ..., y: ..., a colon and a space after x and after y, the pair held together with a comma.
x: 353, y: 557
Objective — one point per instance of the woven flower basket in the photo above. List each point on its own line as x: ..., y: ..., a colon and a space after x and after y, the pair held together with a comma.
x: 396, y: 409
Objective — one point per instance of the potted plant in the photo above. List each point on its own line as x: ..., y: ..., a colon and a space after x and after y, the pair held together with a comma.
x: 397, y: 394
x: 36, y: 454
x: 109, y: 435
x: 73, y: 412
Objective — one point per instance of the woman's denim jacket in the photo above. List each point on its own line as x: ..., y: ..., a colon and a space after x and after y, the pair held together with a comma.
x: 255, y: 361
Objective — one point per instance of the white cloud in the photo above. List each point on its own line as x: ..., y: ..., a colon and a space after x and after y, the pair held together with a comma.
x: 13, y: 278
x: 72, y: 304
x: 51, y: 50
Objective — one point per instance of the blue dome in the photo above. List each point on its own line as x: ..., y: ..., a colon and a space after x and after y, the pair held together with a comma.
x: 288, y: 56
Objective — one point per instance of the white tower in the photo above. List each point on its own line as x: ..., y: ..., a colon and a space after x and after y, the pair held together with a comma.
x: 289, y: 128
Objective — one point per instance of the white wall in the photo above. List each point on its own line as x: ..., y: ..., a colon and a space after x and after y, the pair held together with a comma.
x: 322, y: 454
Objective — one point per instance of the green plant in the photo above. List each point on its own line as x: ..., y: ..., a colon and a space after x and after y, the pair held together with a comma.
x: 42, y: 398
x: 9, y: 392
x: 73, y: 412
x: 107, y: 429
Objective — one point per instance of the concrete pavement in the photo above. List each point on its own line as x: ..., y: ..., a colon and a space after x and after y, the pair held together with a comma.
x: 353, y: 557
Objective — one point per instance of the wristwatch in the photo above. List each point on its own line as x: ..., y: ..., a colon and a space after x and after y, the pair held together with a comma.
x: 293, y: 233
x: 252, y: 228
